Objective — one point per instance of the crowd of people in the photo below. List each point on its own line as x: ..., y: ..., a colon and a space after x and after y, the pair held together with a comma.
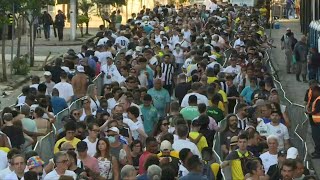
x: 166, y: 86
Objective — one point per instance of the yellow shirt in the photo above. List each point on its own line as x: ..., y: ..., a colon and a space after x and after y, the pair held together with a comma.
x: 211, y: 79
x: 202, y: 142
x: 263, y: 11
x: 172, y: 153
x: 74, y: 143
x: 224, y: 96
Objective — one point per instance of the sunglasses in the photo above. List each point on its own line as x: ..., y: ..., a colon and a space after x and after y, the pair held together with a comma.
x: 76, y: 114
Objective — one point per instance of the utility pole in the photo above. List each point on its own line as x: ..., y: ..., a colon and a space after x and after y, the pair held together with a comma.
x: 73, y: 19
x: 12, y: 37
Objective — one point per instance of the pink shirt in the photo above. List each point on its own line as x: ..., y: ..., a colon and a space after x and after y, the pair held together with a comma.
x: 91, y: 163
x: 142, y: 160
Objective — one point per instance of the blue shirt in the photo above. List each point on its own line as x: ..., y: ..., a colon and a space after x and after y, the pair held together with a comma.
x: 150, y: 118
x: 143, y: 177
x: 160, y: 100
x: 247, y: 93
x: 58, y: 104
x: 147, y: 29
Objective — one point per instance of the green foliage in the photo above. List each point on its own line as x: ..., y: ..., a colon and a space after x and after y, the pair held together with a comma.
x: 20, y: 65
x: 110, y: 2
x: 85, y: 6
x: 82, y: 19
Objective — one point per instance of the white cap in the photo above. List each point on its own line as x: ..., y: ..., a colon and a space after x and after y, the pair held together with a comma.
x: 162, y: 32
x: 80, y: 69
x: 114, y: 129
x: 288, y: 29
x: 47, y: 73
x: 292, y: 153
x: 165, y: 145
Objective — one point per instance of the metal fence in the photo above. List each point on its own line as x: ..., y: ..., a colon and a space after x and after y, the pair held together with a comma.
x: 298, y: 119
x: 44, y: 147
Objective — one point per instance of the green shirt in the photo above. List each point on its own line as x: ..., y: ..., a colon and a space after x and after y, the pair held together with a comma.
x: 215, y: 113
x: 150, y: 118
x: 190, y: 112
x: 160, y: 100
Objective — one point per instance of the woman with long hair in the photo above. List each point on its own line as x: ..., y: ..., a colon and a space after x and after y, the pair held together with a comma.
x: 92, y: 93
x: 161, y: 128
x: 108, y: 165
x: 136, y: 151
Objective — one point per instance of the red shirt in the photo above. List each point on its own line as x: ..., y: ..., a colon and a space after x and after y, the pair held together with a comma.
x: 142, y: 160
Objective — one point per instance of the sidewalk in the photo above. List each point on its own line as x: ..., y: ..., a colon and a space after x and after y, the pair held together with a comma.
x: 54, y: 40
x: 295, y: 91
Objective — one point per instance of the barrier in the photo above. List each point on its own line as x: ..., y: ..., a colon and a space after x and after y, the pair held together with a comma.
x: 58, y: 123
x: 45, y: 146
x: 98, y: 81
x: 298, y: 119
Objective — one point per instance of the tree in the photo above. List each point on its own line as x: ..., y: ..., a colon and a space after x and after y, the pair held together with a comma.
x: 4, y: 8
x: 31, y: 10
x: 103, y: 4
x: 85, y: 6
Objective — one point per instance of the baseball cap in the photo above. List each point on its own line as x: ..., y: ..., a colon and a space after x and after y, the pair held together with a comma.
x: 292, y: 153
x: 234, y: 141
x: 114, y: 129
x: 288, y: 29
x: 47, y: 73
x: 34, y: 161
x: 80, y: 69
x: 282, y: 153
x: 165, y: 145
x: 82, y: 146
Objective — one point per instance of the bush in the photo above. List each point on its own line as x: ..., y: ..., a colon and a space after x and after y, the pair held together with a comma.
x: 20, y: 65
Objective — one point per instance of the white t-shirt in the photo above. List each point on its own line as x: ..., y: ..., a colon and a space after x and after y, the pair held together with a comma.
x: 91, y: 146
x: 238, y: 42
x: 4, y: 160
x: 4, y: 172
x: 113, y: 72
x: 134, y: 126
x: 268, y: 160
x: 186, y: 34
x: 102, y: 56
x: 53, y: 175
x: 181, y: 143
x: 281, y: 131
x: 262, y: 128
x: 179, y: 57
x: 183, y: 170
x: 153, y: 61
x: 200, y: 98
x: 11, y: 176
x: 65, y: 90
x: 111, y: 103
x: 232, y: 70
x: 122, y: 42
x: 103, y: 41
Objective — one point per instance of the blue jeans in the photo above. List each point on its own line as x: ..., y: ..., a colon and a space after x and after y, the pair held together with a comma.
x: 46, y: 29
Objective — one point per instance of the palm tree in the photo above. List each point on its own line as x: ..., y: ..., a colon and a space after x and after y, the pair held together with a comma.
x: 85, y: 6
